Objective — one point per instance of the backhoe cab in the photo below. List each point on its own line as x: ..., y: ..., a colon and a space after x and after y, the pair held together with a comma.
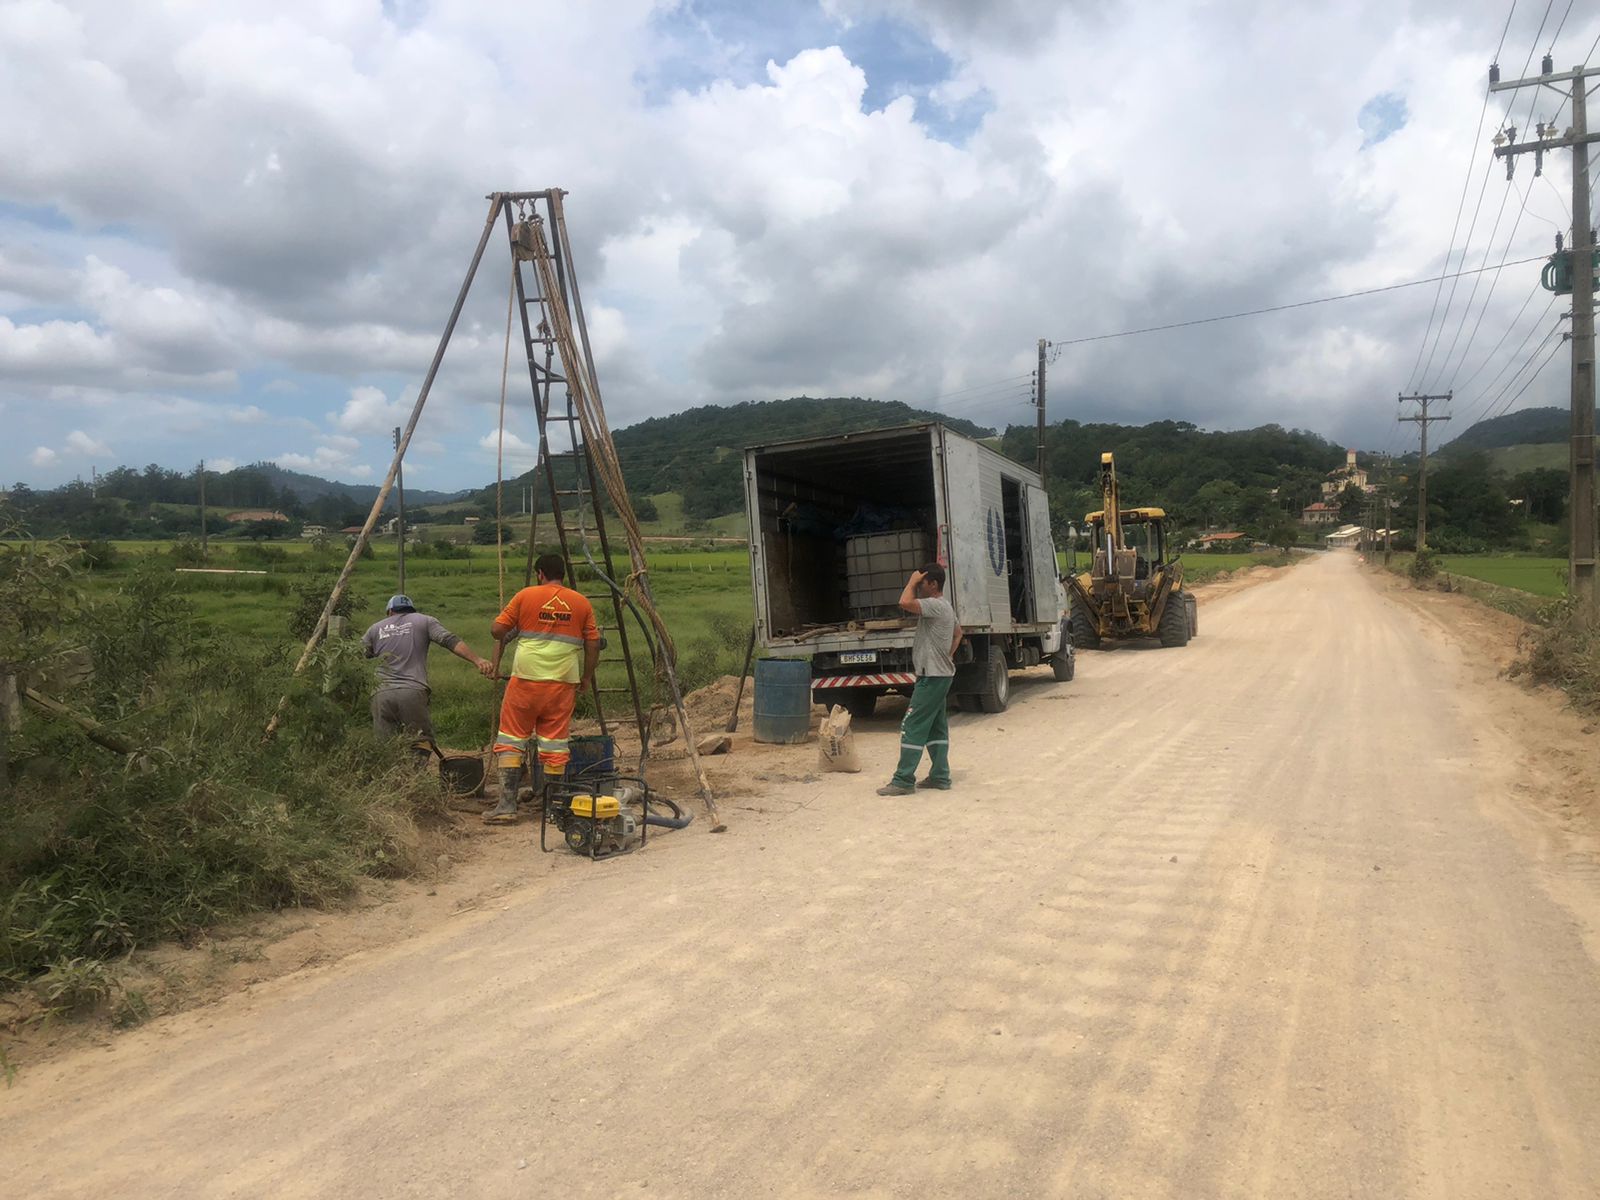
x: 1132, y: 588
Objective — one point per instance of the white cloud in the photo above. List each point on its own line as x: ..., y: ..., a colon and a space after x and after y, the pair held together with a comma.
x: 368, y: 410
x: 745, y: 234
x: 79, y: 442
x: 43, y: 456
x: 221, y: 465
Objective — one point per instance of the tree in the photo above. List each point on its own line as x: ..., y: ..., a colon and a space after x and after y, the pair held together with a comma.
x: 1217, y: 503
x: 1543, y: 492
x: 1352, y: 500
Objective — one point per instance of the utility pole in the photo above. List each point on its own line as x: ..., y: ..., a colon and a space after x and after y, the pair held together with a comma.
x: 1039, y: 465
x: 1424, y: 420
x: 1583, y: 548
x: 400, y: 494
x: 203, y: 545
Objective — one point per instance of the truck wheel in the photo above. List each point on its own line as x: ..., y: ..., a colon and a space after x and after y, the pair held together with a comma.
x: 1063, y: 662
x: 1193, y: 605
x: 1173, y: 628
x: 1084, y: 635
x: 967, y: 702
x: 859, y: 702
x: 996, y: 684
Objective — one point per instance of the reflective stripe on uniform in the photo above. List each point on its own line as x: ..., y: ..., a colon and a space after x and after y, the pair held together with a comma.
x: 537, y: 635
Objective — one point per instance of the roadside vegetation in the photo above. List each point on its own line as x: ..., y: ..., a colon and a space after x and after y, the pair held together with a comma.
x: 196, y: 820
x: 151, y: 808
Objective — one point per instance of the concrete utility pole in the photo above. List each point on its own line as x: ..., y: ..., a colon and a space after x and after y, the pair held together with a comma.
x: 1584, y: 546
x: 203, y: 546
x: 1424, y: 420
x: 400, y: 500
x: 1039, y: 465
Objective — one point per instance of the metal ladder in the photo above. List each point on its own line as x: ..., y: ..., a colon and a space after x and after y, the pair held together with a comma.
x: 577, y: 485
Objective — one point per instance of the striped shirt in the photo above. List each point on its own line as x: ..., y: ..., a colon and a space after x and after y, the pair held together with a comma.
x: 550, y: 623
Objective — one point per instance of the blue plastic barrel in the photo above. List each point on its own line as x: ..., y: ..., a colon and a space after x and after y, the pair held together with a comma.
x: 783, y: 700
x: 592, y: 755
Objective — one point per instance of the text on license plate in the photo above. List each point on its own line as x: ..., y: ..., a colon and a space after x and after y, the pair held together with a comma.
x: 858, y: 656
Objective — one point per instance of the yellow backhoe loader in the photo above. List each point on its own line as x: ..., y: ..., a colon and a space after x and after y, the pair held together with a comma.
x: 1132, y: 589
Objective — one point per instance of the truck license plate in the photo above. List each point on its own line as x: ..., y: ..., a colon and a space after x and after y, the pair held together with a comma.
x: 852, y: 657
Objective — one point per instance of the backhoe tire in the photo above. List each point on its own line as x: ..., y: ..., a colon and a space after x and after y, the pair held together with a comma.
x: 996, y: 692
x: 1193, y: 606
x: 1173, y: 628
x: 1084, y: 634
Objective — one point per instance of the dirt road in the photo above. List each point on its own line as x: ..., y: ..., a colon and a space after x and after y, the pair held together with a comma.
x: 1303, y: 910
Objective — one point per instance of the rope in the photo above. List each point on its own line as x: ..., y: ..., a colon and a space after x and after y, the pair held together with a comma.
x: 500, y: 444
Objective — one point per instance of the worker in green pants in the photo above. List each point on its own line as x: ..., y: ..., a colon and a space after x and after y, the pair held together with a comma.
x: 933, y: 652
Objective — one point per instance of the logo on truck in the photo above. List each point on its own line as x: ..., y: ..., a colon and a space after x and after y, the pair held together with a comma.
x: 995, y: 534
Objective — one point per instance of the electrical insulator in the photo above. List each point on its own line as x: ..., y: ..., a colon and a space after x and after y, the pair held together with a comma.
x: 1558, y: 243
x: 1494, y: 72
x: 1547, y: 65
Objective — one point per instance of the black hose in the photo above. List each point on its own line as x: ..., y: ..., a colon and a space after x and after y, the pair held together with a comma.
x: 679, y: 821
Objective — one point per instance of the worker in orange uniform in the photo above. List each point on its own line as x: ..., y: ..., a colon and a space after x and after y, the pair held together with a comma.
x: 557, y: 647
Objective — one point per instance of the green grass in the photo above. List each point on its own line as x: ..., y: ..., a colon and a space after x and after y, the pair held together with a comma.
x: 703, y: 595
x: 1515, y: 459
x: 1540, y: 576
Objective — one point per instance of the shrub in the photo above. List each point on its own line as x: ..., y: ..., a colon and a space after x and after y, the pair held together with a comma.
x: 98, y: 555
x: 186, y: 552
x: 310, y: 598
x: 1424, y: 566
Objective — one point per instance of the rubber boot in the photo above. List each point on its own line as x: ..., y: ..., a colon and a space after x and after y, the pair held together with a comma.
x: 505, y: 813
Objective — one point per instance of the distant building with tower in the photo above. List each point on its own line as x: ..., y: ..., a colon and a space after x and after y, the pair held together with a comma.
x: 1339, y: 479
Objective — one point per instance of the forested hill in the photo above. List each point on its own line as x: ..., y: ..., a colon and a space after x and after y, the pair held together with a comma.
x: 1528, y: 427
x: 697, y: 453
x: 1247, y: 477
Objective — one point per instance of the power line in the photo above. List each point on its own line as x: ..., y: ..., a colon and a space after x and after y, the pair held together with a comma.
x: 1559, y: 28
x: 1461, y: 204
x: 1256, y: 312
x: 1496, y: 409
x: 1505, y: 333
x: 1478, y: 207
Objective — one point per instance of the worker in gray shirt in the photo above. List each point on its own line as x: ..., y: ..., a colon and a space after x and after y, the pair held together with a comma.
x: 400, y: 644
x: 933, y: 649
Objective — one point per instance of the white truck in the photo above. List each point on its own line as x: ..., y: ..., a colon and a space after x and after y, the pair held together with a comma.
x: 838, y: 523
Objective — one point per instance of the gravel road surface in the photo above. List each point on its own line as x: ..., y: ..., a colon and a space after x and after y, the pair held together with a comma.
x: 1287, y: 913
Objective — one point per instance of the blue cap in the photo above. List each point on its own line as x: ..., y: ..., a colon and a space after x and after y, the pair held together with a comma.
x: 400, y: 602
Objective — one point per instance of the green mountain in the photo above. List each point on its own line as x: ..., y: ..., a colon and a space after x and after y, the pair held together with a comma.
x: 697, y: 453
x: 312, y: 487
x: 1526, y: 427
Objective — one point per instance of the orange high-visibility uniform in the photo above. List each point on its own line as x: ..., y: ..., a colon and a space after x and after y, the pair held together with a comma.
x: 552, y: 625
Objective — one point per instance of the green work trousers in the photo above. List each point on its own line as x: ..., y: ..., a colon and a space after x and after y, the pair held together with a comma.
x: 926, y: 727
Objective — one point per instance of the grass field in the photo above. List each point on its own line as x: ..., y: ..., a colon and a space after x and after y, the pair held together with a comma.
x: 1541, y: 576
x: 704, y: 596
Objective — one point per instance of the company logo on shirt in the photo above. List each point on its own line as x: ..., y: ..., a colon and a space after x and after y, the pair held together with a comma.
x: 555, y: 609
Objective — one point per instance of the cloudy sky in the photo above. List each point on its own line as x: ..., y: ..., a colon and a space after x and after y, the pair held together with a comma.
x: 234, y: 231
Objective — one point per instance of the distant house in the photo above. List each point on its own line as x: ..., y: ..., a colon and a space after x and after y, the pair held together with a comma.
x: 1319, y: 514
x: 251, y: 515
x: 1211, y: 541
x: 352, y: 530
x: 1343, y: 539
x: 313, y: 531
x: 470, y: 520
x: 391, y: 526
